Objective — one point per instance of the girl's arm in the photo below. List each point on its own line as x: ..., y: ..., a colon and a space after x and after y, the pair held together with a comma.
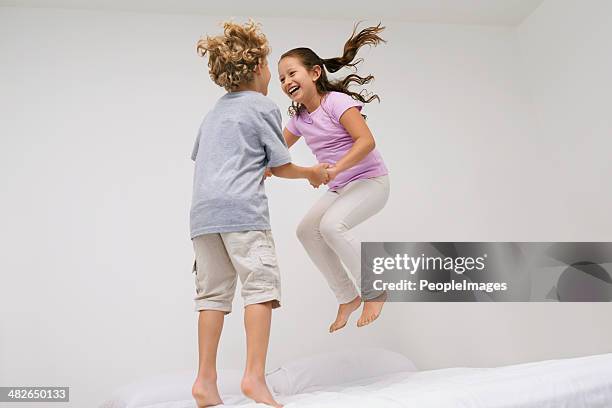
x: 290, y: 138
x: 356, y: 126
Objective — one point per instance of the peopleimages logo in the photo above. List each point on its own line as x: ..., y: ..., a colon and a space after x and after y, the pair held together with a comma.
x: 412, y: 264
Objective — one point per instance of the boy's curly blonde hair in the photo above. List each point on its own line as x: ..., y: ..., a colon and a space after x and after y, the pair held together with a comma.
x: 233, y: 56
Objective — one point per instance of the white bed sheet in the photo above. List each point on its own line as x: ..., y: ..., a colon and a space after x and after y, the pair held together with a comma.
x: 573, y: 383
x: 584, y: 382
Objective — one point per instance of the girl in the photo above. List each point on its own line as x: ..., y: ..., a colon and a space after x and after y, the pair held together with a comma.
x: 327, y: 115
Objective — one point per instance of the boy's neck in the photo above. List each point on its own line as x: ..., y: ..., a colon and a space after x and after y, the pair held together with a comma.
x: 251, y: 86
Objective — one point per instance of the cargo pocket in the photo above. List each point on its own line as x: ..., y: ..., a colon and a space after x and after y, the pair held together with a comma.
x: 266, y: 267
x: 268, y: 258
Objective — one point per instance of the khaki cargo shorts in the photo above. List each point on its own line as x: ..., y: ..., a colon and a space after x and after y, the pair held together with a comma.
x: 219, y: 257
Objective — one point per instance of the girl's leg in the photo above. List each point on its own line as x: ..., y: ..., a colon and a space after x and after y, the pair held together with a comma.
x: 257, y: 321
x: 321, y: 254
x: 204, y: 390
x: 326, y: 260
x: 357, y: 201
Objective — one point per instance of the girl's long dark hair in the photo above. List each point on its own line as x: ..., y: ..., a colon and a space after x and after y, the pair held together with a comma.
x: 367, y: 36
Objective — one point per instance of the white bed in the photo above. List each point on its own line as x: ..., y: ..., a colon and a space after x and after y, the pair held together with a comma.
x: 357, y: 381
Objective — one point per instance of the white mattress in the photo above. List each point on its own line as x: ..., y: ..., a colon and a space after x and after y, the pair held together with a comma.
x: 572, y: 383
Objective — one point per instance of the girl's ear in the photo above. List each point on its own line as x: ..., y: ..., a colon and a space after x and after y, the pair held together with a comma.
x: 316, y: 72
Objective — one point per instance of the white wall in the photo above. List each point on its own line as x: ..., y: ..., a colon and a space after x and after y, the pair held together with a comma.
x: 100, y: 111
x: 567, y: 64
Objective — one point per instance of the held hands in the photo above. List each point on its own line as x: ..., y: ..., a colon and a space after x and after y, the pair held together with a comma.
x: 332, y: 172
x: 322, y: 173
x: 318, y: 175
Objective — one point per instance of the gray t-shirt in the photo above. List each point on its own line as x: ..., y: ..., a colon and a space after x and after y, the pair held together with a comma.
x: 238, y: 139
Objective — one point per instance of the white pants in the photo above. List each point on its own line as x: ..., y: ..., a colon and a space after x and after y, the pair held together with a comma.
x: 325, y: 232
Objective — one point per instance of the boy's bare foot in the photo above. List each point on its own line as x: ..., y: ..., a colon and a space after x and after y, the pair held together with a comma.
x: 256, y: 389
x: 344, y: 311
x: 371, y: 310
x: 205, y: 392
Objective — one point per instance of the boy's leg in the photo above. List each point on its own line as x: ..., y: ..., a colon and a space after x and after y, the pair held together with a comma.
x: 257, y: 321
x: 215, y: 279
x: 204, y: 390
x: 254, y: 258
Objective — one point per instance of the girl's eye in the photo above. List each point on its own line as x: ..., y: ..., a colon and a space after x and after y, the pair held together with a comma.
x: 291, y: 74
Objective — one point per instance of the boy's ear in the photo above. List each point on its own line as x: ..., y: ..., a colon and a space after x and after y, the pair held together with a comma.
x: 259, y: 67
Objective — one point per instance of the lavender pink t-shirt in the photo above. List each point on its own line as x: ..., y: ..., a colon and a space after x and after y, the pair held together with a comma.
x: 329, y: 140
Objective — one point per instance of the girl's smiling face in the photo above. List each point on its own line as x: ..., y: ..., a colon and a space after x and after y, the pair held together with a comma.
x: 297, y: 82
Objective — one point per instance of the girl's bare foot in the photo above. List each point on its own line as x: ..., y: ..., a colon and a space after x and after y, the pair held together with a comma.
x: 256, y: 389
x: 205, y: 392
x: 344, y: 311
x: 371, y: 310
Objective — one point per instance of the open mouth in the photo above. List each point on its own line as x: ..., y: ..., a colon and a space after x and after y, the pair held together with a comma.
x: 293, y: 90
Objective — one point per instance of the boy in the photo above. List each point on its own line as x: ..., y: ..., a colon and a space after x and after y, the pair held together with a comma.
x: 229, y: 221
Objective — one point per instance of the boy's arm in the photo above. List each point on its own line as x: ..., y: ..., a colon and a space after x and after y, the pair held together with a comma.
x: 291, y: 171
x: 290, y: 139
x: 316, y: 175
